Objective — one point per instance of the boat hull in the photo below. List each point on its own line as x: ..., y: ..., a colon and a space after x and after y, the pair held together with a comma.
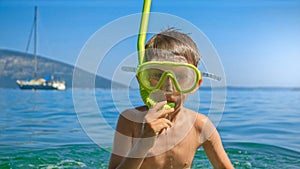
x: 37, y: 87
x: 33, y: 85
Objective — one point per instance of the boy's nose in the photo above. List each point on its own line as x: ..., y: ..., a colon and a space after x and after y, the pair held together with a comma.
x: 168, y: 85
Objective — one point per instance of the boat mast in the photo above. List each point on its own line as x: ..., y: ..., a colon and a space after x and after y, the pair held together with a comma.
x: 35, y: 41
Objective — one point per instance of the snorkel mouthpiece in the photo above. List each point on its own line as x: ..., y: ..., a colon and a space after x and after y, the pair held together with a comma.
x: 169, y: 105
x: 157, y: 96
x: 152, y: 103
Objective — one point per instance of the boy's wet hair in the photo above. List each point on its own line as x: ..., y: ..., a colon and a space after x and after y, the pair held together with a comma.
x: 170, y: 43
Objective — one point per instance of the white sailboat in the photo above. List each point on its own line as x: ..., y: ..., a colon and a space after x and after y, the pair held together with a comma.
x: 39, y: 83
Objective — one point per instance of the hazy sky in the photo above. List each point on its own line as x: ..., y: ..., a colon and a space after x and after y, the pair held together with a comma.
x: 258, y: 41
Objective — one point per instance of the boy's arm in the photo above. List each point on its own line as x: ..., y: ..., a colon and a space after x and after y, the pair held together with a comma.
x: 123, y: 150
x: 215, y: 152
x: 122, y: 141
x: 212, y: 145
x: 127, y: 155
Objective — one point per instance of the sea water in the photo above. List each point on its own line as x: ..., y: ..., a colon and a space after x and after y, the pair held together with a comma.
x: 260, y: 127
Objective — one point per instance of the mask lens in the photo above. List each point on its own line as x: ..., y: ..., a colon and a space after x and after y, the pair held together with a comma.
x: 151, y: 76
x: 154, y: 76
x: 186, y: 77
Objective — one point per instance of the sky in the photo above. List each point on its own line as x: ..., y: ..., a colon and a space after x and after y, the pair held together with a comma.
x: 258, y: 41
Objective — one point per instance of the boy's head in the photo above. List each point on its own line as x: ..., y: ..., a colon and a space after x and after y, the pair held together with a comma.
x: 170, y: 63
x: 171, y: 45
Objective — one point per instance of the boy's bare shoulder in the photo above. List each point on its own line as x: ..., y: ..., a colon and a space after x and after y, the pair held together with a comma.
x: 128, y: 120
x: 193, y: 113
x: 135, y: 114
x: 200, y: 120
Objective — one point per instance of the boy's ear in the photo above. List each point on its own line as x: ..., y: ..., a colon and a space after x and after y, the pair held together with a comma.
x: 199, y: 82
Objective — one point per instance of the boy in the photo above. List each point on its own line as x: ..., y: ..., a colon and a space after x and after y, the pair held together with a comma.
x: 159, y: 137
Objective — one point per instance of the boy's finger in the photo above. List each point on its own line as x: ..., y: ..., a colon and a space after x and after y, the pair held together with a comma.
x: 163, y: 124
x: 166, y: 122
x: 159, y: 105
x: 166, y: 111
x: 158, y: 111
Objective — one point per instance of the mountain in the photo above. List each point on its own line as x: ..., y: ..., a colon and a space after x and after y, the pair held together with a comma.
x: 16, y: 65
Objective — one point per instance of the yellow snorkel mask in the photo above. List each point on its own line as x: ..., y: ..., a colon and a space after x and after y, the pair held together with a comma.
x: 152, y: 75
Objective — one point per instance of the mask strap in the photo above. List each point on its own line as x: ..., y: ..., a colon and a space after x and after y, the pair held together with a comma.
x: 211, y: 76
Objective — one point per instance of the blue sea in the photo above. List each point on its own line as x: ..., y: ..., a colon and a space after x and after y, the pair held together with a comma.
x: 260, y: 127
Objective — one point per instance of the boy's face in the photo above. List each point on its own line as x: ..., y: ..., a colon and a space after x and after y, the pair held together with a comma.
x: 171, y: 94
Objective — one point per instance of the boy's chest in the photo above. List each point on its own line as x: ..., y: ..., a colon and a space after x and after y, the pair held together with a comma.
x: 173, y: 150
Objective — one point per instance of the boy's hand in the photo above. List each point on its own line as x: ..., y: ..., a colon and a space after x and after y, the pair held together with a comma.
x: 156, y: 121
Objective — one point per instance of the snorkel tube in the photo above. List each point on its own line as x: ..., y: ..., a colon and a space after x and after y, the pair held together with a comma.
x: 143, y: 31
x: 141, y: 53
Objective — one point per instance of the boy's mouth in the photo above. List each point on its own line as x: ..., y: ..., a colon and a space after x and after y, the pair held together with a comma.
x: 173, y: 98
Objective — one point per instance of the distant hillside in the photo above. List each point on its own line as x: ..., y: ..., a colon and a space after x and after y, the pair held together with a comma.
x: 18, y: 65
